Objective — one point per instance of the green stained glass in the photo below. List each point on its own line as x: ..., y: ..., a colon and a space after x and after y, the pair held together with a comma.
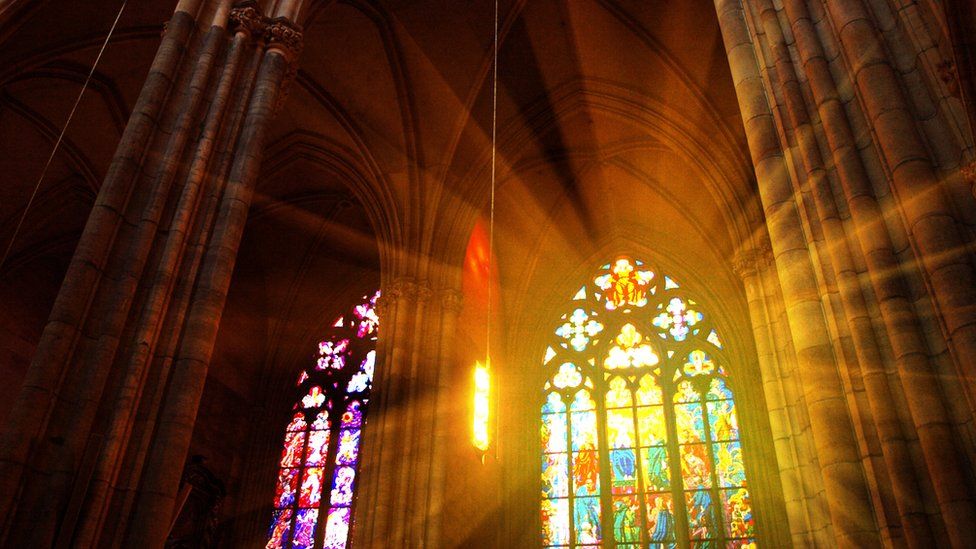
x: 639, y: 429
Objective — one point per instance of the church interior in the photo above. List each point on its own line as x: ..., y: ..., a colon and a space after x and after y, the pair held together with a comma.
x: 504, y: 273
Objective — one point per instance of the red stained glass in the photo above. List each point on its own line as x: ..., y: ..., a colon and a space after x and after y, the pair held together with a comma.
x: 291, y: 455
x: 657, y: 407
x: 311, y: 487
x: 306, y: 453
x: 278, y: 532
x: 695, y: 470
x: 318, y: 447
x: 297, y: 423
x: 285, y: 490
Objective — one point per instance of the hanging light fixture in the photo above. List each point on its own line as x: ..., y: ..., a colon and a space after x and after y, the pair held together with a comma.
x: 482, y: 396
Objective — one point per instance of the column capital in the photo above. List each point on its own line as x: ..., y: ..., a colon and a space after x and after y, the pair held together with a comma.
x: 246, y: 18
x: 451, y: 300
x: 747, y: 262
x: 286, y: 37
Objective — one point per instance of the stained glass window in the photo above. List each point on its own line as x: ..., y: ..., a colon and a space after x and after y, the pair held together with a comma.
x: 314, y: 495
x: 640, y: 442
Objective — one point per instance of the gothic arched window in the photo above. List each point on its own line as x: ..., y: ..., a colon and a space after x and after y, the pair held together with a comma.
x: 640, y: 443
x: 322, y: 440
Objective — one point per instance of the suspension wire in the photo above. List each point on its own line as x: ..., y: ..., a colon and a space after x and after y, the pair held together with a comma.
x: 491, y: 215
x: 64, y: 129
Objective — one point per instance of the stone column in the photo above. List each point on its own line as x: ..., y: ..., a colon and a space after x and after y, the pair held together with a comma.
x: 747, y: 263
x: 403, y: 469
x: 917, y: 371
x: 845, y: 490
x: 934, y: 231
x: 883, y: 412
x: 152, y: 269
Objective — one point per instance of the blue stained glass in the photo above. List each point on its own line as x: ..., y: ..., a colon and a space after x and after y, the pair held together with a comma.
x: 701, y: 520
x: 304, y: 535
x: 278, y: 531
x: 348, y: 447
x: 554, y: 404
x: 586, y: 519
x: 342, y: 482
x: 623, y: 469
x: 300, y: 489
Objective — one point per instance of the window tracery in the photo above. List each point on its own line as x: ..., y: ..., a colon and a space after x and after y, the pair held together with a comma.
x: 320, y: 455
x: 640, y: 439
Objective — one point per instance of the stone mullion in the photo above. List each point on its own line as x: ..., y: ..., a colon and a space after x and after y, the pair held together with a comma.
x: 846, y: 492
x: 915, y: 368
x: 746, y: 265
x: 29, y: 413
x: 176, y: 419
x: 450, y: 307
x: 895, y: 451
x: 934, y: 231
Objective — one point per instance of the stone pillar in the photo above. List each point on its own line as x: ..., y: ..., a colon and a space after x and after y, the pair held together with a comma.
x: 403, y: 467
x: 845, y: 490
x: 747, y: 263
x: 918, y: 373
x: 152, y: 269
x: 883, y: 412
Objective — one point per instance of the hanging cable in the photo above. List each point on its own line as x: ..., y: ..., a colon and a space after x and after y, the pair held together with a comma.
x: 491, y: 208
x: 57, y: 143
x: 483, y: 395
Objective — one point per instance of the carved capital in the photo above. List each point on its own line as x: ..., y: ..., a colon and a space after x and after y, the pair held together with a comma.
x: 286, y: 37
x: 246, y: 18
x: 423, y: 293
x: 746, y: 262
x: 402, y: 288
x: 451, y: 301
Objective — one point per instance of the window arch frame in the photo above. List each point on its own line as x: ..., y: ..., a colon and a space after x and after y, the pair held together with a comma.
x: 342, y: 371
x: 598, y: 380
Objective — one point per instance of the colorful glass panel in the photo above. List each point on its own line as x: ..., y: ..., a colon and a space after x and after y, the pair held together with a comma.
x: 640, y: 434
x: 555, y: 522
x: 321, y: 445
x: 337, y: 528
x: 580, y: 327
x: 278, y: 532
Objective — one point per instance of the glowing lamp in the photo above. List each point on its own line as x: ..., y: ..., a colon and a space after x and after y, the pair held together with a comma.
x: 482, y: 392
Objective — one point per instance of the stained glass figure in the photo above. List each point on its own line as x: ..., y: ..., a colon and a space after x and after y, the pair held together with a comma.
x: 320, y: 454
x: 639, y: 431
x: 624, y: 285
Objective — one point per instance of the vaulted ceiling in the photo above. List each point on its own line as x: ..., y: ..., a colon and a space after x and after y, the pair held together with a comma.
x: 617, y: 126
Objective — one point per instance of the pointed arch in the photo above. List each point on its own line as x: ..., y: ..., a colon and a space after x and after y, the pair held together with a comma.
x: 322, y: 440
x: 640, y: 438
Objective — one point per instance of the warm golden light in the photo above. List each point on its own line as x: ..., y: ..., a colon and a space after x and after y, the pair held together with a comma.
x: 482, y: 392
